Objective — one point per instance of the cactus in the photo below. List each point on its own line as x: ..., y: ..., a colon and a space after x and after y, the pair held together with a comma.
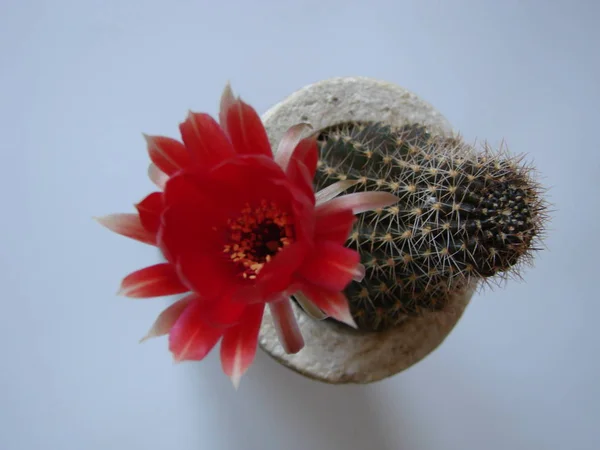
x: 462, y: 215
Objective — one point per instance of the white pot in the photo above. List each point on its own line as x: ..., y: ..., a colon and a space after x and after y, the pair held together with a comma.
x: 335, y: 353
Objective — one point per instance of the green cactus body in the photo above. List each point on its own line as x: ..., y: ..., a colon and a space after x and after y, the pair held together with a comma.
x: 461, y: 215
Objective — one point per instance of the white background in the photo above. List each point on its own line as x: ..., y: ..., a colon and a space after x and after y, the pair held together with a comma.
x: 81, y: 80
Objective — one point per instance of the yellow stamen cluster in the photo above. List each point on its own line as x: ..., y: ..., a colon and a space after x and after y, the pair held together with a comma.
x: 256, y: 235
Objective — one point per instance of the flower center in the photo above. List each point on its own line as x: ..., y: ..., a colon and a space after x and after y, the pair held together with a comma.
x: 256, y: 235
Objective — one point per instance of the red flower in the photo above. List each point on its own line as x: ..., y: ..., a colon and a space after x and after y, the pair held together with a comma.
x: 241, y: 228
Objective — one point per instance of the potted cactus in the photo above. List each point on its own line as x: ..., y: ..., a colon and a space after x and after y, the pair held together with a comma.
x: 348, y: 252
x: 466, y: 217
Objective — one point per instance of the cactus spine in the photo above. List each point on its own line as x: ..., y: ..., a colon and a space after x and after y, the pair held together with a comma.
x: 462, y: 215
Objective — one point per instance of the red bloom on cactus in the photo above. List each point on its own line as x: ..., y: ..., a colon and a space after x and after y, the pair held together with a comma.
x: 241, y: 228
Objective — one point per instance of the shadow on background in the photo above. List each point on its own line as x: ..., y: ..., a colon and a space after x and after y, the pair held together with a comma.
x: 275, y: 408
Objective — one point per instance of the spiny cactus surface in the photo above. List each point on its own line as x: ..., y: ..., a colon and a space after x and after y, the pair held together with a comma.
x: 462, y: 215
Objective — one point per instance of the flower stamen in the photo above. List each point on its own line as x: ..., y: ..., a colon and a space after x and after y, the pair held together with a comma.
x: 256, y: 235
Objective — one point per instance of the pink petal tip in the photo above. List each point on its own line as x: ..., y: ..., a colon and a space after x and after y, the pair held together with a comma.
x: 157, y: 176
x: 359, y: 273
x: 359, y: 202
x: 288, y: 143
x: 333, y: 190
x: 154, y: 281
x: 127, y: 225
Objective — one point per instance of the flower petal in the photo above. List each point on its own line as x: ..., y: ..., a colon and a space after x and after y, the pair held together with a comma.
x: 358, y: 202
x: 207, y: 143
x: 154, y: 281
x: 335, y: 227
x: 157, y: 176
x: 149, y: 210
x: 309, y: 307
x: 128, y: 225
x: 224, y: 311
x: 247, y: 179
x: 277, y: 275
x: 168, y: 154
x: 289, y: 142
x: 333, y: 190
x: 193, y: 214
x: 166, y: 319
x: 184, y: 188
x: 238, y: 347
x: 333, y: 303
x: 359, y: 273
x: 191, y: 338
x: 227, y: 102
x: 203, y: 274
x: 243, y: 126
x: 307, y: 151
x: 331, y: 266
x: 303, y: 209
x: 301, y: 178
x: 286, y: 326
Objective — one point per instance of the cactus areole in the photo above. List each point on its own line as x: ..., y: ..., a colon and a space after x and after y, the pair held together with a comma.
x: 466, y: 216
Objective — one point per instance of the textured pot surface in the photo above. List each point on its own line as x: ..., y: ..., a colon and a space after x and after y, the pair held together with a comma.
x: 334, y: 353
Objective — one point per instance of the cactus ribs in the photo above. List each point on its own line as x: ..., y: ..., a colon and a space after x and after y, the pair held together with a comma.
x: 463, y: 215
